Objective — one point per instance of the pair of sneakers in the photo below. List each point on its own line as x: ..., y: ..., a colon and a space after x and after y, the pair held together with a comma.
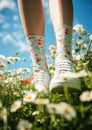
x: 62, y: 78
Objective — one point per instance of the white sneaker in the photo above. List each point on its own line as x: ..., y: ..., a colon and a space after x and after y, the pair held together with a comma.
x: 62, y: 78
x: 41, y: 81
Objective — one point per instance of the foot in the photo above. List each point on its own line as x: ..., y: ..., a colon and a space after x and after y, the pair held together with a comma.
x: 41, y: 81
x: 63, y: 77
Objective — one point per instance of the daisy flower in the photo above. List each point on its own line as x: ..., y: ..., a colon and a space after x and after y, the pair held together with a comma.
x: 24, y: 125
x: 3, y: 114
x: 41, y: 101
x: 66, y: 110
x: 52, y: 108
x: 10, y: 60
x: 29, y: 97
x: 16, y: 58
x: 9, y: 79
x: 78, y: 28
x: 86, y: 96
x: 52, y: 47
x: 15, y: 106
x: 2, y: 57
x: 35, y: 113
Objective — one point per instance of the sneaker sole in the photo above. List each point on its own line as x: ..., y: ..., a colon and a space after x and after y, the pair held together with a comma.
x: 71, y: 85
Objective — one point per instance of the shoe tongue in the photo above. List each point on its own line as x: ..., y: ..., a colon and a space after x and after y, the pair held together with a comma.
x: 64, y: 66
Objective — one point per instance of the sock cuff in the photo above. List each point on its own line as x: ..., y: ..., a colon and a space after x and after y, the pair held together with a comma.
x: 64, y: 26
x: 35, y: 37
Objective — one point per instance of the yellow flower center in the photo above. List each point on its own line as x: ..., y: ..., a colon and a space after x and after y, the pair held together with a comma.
x: 3, y: 113
x: 53, y: 108
x: 66, y: 110
x: 26, y: 128
x: 88, y: 94
x: 39, y: 100
x: 29, y: 97
x: 15, y: 106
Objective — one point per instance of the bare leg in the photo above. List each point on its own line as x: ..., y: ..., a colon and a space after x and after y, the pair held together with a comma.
x: 32, y: 16
x: 61, y: 12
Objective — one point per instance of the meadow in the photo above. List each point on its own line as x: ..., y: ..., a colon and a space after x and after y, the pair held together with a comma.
x: 24, y: 108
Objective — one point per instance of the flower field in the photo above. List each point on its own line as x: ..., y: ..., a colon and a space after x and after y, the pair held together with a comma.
x: 24, y: 108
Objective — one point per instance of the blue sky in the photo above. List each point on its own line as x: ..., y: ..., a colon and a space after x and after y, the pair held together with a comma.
x: 12, y: 37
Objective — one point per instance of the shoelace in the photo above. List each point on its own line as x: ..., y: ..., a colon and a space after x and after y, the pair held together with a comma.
x: 39, y: 77
x: 64, y: 66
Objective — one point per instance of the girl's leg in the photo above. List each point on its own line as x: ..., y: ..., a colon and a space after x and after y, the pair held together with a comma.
x: 32, y: 17
x: 62, y: 18
x: 61, y: 12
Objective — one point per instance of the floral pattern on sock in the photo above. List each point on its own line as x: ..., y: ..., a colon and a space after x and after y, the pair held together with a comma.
x: 63, y: 39
x: 36, y: 45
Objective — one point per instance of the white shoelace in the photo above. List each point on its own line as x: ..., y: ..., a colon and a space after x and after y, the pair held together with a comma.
x: 40, y: 77
x: 65, y: 66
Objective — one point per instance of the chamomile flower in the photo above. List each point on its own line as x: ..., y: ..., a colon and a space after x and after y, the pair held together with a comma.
x: 84, y: 46
x: 9, y: 79
x: 15, y: 106
x: 29, y: 97
x: 78, y: 28
x: 2, y: 57
x: 86, y: 96
x: 10, y: 60
x: 52, y: 108
x: 19, y: 71
x: 41, y: 101
x: 26, y: 70
x: 52, y: 47
x: 24, y: 59
x: 83, y: 31
x: 3, y: 65
x: 73, y: 52
x: 1, y: 72
x: 24, y: 125
x: 53, y: 53
x: 66, y: 110
x: 3, y: 114
x: 35, y: 113
x: 78, y: 57
x: 16, y: 58
x: 80, y: 41
x: 51, y: 68
x: 52, y: 72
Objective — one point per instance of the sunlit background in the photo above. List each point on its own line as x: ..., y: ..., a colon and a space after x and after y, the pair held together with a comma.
x: 12, y: 38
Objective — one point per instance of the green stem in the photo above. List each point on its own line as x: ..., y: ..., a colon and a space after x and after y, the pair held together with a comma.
x: 5, y: 124
x: 66, y: 93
